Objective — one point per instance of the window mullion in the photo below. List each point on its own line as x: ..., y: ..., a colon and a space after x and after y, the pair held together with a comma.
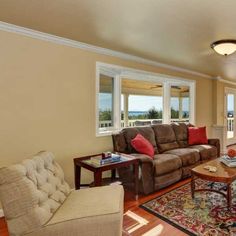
x: 192, y: 104
x: 166, y: 103
x: 117, y: 102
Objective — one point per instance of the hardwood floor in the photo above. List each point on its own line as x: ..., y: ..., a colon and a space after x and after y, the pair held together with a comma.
x: 136, y: 220
x: 145, y: 221
x: 3, y: 227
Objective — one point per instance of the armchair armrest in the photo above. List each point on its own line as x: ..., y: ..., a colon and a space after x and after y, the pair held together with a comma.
x: 215, y: 142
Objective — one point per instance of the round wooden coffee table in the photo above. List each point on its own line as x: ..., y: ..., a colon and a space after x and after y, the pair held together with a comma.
x: 224, y: 174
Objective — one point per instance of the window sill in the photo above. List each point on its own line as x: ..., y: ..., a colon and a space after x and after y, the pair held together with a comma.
x: 104, y: 133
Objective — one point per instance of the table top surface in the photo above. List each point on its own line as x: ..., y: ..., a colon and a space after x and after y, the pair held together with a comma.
x: 85, y: 161
x: 222, y: 174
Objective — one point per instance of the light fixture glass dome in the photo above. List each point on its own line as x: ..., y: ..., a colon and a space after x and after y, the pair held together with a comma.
x: 224, y: 47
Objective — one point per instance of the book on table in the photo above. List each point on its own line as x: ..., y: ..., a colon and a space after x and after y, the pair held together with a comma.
x: 98, y: 160
x: 230, y: 162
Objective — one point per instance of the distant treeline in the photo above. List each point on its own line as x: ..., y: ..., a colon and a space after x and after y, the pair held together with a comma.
x: 152, y: 113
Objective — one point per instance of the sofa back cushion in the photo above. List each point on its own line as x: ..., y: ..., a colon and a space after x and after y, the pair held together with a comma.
x: 181, y: 134
x: 165, y: 137
x: 146, y: 132
x: 31, y: 192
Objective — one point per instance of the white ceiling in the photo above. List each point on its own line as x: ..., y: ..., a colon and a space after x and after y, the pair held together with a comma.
x: 175, y: 32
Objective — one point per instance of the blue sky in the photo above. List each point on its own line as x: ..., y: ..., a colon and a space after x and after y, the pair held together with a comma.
x: 140, y: 103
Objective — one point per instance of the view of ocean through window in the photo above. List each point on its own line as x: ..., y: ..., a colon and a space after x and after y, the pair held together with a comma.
x: 132, y: 98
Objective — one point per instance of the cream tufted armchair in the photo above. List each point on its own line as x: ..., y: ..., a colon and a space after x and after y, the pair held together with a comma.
x: 37, y: 201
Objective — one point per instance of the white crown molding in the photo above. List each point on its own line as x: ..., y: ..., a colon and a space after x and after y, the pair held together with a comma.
x: 225, y: 81
x: 72, y: 43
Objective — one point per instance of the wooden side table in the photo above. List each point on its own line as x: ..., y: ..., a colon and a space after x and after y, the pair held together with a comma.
x: 126, y: 160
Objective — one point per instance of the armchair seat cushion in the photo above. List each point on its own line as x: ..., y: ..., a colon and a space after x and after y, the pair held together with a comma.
x: 166, y: 163
x: 188, y: 156
x: 92, y: 211
x: 206, y: 151
x: 90, y: 202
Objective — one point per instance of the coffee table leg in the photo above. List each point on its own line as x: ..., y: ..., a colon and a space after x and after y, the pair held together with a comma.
x: 229, y: 196
x: 192, y: 186
x: 136, y: 165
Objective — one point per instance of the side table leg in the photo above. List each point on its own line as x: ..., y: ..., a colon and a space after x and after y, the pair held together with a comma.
x: 136, y: 170
x: 229, y: 196
x: 192, y: 186
x: 77, y: 176
x: 97, y: 178
x: 113, y: 174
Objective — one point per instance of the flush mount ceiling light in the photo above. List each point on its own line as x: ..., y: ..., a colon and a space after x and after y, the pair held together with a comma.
x: 224, y: 47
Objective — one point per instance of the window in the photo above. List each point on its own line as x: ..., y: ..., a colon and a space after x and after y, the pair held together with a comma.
x: 127, y: 98
x: 106, y: 102
x: 141, y: 102
x: 179, y: 103
x: 230, y: 115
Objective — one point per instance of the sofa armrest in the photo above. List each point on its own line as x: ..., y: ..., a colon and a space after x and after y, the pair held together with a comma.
x: 215, y: 142
x: 147, y: 172
x: 119, y: 144
x: 142, y: 158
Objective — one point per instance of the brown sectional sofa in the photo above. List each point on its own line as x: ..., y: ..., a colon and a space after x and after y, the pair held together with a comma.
x: 173, y: 156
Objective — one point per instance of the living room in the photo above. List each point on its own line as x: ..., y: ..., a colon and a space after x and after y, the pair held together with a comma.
x: 60, y: 57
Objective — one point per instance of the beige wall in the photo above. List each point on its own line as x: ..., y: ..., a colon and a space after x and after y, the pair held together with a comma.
x: 47, y: 100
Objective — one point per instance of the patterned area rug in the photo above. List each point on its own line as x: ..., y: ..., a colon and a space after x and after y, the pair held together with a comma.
x: 206, y: 215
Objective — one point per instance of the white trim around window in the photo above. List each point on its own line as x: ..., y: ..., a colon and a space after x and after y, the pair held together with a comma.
x: 118, y: 72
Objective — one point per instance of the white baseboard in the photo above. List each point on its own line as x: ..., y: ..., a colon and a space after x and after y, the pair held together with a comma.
x: 1, y: 213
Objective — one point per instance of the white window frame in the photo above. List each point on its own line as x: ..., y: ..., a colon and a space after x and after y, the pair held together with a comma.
x: 117, y: 72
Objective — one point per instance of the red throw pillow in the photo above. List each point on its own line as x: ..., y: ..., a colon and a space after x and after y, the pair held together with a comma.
x: 197, y: 135
x: 142, y: 145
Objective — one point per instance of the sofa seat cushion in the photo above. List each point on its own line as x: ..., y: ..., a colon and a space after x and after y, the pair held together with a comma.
x: 166, y: 163
x: 206, y: 151
x: 189, y: 156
